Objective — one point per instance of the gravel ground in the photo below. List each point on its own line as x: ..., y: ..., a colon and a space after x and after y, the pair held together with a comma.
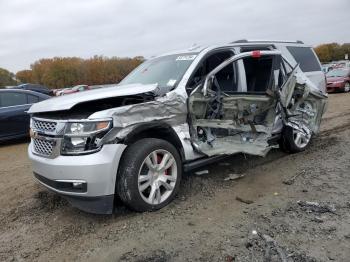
x: 208, y: 220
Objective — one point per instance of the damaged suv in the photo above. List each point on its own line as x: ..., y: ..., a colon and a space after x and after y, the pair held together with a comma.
x: 174, y: 113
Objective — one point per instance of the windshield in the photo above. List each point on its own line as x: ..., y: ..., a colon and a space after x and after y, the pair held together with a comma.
x: 337, y: 73
x: 166, y: 71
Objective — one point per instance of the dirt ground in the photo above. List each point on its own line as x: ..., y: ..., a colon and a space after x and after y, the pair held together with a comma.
x: 206, y: 222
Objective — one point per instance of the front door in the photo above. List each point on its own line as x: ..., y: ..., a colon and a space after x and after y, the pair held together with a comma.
x: 228, y: 120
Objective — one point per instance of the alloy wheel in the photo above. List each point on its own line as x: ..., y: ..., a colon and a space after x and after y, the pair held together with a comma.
x: 301, y: 140
x: 157, y: 177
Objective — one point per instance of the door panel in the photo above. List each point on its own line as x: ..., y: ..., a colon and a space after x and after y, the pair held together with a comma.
x: 14, y: 121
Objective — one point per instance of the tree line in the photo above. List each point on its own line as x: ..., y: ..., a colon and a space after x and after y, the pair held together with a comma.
x: 60, y: 72
x: 332, y: 52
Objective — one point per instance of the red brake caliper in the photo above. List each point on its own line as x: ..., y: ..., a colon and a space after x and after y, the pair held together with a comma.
x: 159, y: 160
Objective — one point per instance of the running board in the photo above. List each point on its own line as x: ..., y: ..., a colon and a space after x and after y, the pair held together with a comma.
x: 202, y: 162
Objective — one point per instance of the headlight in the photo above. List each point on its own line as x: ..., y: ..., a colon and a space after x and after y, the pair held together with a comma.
x: 84, y: 137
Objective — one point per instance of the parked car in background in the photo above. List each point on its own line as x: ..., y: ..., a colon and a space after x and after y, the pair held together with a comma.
x: 338, y: 80
x: 342, y: 64
x: 74, y: 89
x: 326, y: 68
x: 35, y: 87
x: 14, y: 104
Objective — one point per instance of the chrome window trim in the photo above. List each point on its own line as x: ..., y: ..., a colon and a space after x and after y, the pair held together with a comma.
x: 2, y: 107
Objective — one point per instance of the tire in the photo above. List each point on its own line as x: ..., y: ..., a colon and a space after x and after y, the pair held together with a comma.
x: 347, y: 87
x: 290, y: 142
x: 141, y: 183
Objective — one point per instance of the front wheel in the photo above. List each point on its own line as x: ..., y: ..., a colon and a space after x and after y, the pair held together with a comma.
x: 149, y: 174
x: 294, y: 141
x: 347, y: 87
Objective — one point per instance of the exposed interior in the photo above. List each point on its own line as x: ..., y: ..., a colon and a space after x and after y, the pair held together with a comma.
x: 226, y: 78
x: 229, y: 122
x: 258, y: 73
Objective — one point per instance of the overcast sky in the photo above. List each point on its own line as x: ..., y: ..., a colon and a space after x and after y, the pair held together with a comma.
x: 34, y: 29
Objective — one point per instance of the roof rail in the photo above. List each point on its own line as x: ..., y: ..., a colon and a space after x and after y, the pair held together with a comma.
x: 265, y: 41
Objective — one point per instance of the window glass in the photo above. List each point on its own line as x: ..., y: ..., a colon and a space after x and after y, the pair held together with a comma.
x: 166, y: 71
x: 225, y: 77
x: 32, y: 99
x: 13, y: 99
x: 305, y: 57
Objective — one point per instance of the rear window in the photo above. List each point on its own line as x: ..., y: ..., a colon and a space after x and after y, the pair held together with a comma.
x: 305, y: 57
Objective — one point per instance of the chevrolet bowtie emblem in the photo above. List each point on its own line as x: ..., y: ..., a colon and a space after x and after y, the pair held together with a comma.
x: 33, y: 134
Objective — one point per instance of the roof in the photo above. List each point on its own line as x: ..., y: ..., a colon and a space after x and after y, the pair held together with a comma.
x: 197, y: 49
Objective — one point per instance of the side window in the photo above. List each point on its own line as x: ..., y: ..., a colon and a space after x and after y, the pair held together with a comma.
x: 13, y: 99
x: 32, y: 99
x: 258, y: 73
x: 226, y: 79
x: 209, y: 63
x: 305, y: 57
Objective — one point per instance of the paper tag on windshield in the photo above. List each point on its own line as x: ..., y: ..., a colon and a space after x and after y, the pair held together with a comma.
x: 171, y: 82
x: 185, y: 57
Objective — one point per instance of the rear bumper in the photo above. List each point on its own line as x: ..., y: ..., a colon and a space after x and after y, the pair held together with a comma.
x: 93, y: 175
x: 335, y: 87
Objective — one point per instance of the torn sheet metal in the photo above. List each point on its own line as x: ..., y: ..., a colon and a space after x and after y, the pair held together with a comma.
x: 170, y: 109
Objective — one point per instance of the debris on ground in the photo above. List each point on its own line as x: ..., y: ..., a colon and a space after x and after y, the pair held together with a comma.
x: 290, y: 181
x: 245, y: 201
x: 272, y: 248
x: 316, y: 207
x: 233, y: 177
x: 202, y: 172
x: 317, y: 219
x: 266, y: 248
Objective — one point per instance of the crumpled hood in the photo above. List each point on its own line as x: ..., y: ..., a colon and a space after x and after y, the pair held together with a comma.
x: 68, y: 101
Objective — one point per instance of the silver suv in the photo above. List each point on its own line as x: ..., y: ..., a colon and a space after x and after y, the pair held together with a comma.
x: 174, y: 113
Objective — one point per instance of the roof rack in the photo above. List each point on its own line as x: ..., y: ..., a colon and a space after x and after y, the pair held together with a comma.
x: 265, y: 41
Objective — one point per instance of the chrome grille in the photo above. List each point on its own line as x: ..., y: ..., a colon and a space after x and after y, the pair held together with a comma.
x: 44, y: 125
x: 43, y: 147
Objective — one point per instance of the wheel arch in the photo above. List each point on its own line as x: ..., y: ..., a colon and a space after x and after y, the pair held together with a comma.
x: 161, y: 131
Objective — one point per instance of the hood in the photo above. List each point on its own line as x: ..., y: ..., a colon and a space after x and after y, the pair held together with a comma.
x: 68, y: 101
x: 334, y: 79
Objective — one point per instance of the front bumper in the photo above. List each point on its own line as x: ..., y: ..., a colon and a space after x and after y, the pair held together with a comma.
x: 95, y: 172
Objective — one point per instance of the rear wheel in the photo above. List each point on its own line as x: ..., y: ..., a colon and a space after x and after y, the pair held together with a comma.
x: 294, y: 141
x: 149, y: 174
x: 347, y: 87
